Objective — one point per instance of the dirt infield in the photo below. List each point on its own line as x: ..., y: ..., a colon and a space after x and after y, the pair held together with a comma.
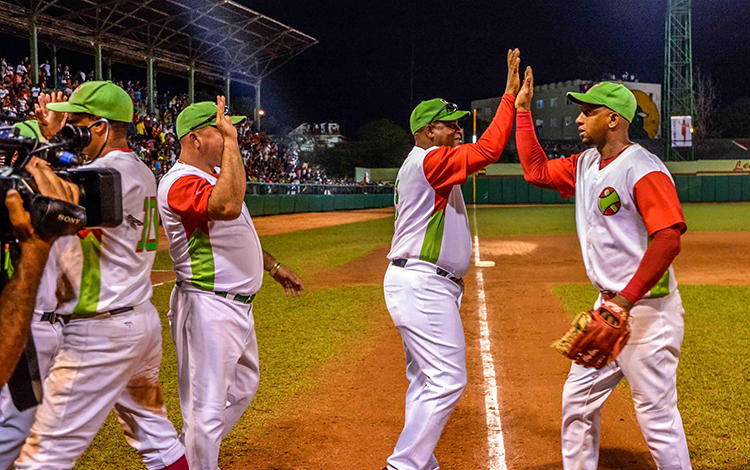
x: 352, y: 419
x: 274, y: 225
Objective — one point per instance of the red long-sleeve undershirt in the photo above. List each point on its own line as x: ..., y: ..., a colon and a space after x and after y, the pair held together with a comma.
x: 654, y: 194
x: 446, y: 167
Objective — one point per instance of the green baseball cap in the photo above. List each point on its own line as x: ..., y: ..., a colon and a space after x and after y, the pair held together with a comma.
x: 436, y: 109
x: 612, y: 95
x: 29, y: 129
x: 196, y: 116
x: 99, y: 98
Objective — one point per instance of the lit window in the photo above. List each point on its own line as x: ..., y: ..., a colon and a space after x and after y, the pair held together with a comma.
x: 568, y: 121
x: 539, y: 104
x: 553, y: 122
x: 553, y: 102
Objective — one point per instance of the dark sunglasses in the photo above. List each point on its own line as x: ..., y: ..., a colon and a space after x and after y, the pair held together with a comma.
x: 450, y: 107
x: 209, y: 119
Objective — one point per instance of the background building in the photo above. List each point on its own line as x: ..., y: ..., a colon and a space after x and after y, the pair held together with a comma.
x: 554, y: 115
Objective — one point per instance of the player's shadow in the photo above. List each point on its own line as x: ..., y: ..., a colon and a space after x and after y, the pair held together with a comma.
x: 611, y: 458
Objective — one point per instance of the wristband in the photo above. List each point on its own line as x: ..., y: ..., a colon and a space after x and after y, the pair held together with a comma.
x: 274, y: 269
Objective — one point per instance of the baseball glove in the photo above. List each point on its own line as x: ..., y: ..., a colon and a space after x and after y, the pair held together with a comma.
x: 597, y: 336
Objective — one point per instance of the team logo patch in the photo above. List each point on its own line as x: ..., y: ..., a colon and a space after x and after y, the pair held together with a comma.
x: 609, y: 201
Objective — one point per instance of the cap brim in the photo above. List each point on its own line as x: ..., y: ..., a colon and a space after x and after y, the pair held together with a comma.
x: 580, y: 98
x: 67, y: 107
x: 454, y: 116
x: 235, y: 120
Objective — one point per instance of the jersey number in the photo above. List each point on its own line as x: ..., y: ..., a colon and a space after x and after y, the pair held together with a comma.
x: 150, y: 226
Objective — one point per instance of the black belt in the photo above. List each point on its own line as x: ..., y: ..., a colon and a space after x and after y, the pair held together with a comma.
x: 243, y: 299
x: 53, y: 317
x: 401, y: 263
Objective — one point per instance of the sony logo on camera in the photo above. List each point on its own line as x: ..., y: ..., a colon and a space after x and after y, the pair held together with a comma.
x: 68, y: 219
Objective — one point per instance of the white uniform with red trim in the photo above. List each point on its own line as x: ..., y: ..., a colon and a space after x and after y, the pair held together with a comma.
x: 15, y: 425
x: 614, y: 239
x: 108, y: 361
x: 430, y: 252
x: 219, y: 267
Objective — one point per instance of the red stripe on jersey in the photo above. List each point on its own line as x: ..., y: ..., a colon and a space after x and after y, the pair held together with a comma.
x: 188, y: 198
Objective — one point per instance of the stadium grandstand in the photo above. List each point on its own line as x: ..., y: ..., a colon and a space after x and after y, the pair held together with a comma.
x: 215, y: 42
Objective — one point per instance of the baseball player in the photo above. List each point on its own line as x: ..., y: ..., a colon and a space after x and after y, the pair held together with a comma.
x: 629, y: 222
x: 47, y: 332
x: 429, y: 256
x: 219, y: 265
x: 111, y: 339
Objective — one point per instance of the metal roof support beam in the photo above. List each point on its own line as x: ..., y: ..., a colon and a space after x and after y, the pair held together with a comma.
x: 108, y: 61
x: 54, y: 67
x: 34, y: 50
x: 98, y: 75
x: 150, y: 84
x: 257, y: 104
x: 191, y: 81
x: 228, y: 88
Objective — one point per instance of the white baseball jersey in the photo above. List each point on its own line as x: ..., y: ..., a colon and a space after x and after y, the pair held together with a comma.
x: 110, y: 268
x: 429, y: 226
x: 212, y: 255
x: 611, y: 230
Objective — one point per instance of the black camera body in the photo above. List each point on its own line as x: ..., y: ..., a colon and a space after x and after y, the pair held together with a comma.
x: 100, y: 201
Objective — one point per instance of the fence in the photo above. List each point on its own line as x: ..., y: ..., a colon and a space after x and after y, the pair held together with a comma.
x: 273, y: 198
x: 690, y: 188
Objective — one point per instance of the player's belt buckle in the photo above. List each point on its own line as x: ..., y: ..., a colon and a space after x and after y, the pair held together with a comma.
x: 49, y: 317
x: 243, y: 299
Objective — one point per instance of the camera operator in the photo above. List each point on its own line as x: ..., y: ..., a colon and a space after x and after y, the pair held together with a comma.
x: 111, y: 347
x: 18, y: 298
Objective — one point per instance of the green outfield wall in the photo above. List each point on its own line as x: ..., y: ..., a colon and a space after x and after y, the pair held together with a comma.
x: 274, y: 204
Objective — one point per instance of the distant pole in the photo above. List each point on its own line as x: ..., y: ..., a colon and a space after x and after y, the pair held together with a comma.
x: 227, y: 88
x: 257, y: 103
x: 34, y: 51
x: 54, y: 66
x: 474, y: 134
x: 109, y: 68
x: 98, y: 75
x: 150, y: 83
x: 191, y: 81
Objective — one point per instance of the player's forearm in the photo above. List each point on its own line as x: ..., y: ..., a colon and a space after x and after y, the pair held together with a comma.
x: 268, y: 261
x: 664, y: 248
x: 490, y: 146
x: 17, y: 305
x: 228, y: 195
x: 533, y: 159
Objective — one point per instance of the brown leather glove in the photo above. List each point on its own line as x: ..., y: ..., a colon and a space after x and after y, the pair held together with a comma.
x: 597, y: 336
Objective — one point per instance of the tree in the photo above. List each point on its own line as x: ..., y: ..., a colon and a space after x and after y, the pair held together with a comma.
x: 377, y: 144
x: 706, y: 105
x: 734, y: 121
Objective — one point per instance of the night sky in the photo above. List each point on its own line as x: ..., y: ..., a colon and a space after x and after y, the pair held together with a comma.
x: 360, y: 69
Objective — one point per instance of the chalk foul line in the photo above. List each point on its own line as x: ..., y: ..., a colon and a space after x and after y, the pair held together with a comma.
x: 495, y: 441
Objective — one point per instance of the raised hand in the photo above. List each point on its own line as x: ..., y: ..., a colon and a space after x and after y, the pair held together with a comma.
x: 514, y: 81
x: 523, y: 100
x: 224, y: 122
x: 50, y: 122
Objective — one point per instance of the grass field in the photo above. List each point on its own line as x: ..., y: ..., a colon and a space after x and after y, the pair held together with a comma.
x: 299, y: 336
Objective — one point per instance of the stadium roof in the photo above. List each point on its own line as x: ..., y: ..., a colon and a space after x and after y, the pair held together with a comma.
x: 220, y: 36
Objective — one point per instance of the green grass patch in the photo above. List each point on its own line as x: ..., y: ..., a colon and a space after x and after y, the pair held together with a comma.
x: 712, y: 380
x: 527, y: 220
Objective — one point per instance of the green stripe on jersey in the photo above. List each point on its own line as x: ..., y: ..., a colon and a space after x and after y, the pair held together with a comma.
x: 661, y: 289
x: 201, y: 260
x: 433, y: 238
x: 91, y: 278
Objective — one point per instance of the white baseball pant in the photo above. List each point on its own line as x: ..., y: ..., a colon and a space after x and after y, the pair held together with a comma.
x: 104, y: 363
x: 217, y: 368
x: 15, y: 425
x: 424, y: 307
x: 649, y: 362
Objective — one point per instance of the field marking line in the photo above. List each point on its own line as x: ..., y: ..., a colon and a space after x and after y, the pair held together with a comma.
x: 492, y: 410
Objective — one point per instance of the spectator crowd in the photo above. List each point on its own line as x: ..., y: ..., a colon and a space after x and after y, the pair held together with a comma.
x: 153, y: 136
